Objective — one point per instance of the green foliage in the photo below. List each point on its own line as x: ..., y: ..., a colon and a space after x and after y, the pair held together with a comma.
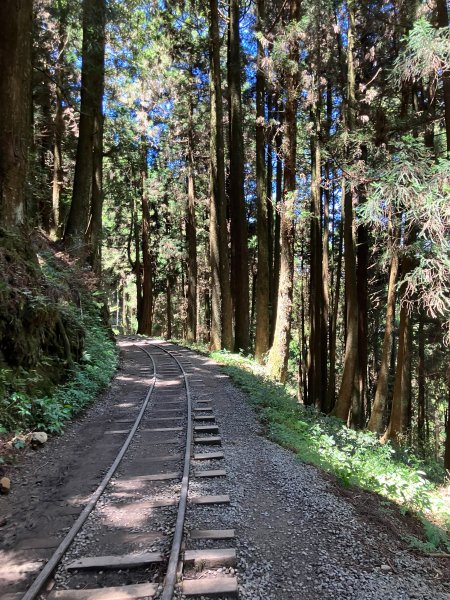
x: 426, y: 53
x: 409, y: 193
x: 355, y: 457
x: 49, y: 413
x: 436, y: 539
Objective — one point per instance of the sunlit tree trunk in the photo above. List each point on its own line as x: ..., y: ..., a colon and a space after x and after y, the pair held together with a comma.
x: 15, y: 112
x: 376, y: 421
x: 398, y: 417
x: 276, y: 235
x: 239, y: 234
x: 262, y: 280
x: 279, y: 353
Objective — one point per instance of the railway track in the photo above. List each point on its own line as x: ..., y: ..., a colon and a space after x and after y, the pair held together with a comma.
x: 130, y: 541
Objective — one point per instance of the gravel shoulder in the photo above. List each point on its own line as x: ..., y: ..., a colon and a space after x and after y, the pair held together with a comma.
x: 301, y: 535
x: 298, y: 533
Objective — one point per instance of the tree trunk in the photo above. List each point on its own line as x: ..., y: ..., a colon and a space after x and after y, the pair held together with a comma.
x: 146, y: 312
x: 169, y: 307
x: 58, y: 129
x: 239, y: 235
x: 421, y: 388
x: 344, y: 401
x: 221, y: 305
x: 376, y: 421
x: 262, y: 281
x: 397, y: 422
x: 15, y: 100
x: 98, y: 85
x: 276, y: 237
x: 359, y: 405
x: 191, y: 236
x: 316, y: 378
x: 331, y: 390
x: 93, y: 64
x: 447, y: 430
x: 279, y: 353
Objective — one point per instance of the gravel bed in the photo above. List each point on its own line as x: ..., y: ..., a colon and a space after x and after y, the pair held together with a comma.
x: 296, y: 537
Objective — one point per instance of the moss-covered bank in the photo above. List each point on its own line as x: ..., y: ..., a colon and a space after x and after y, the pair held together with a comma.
x: 56, y: 349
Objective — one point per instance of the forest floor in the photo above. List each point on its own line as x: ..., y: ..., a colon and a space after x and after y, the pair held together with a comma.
x: 299, y: 533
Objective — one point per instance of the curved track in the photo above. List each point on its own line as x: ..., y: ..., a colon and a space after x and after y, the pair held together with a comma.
x: 133, y: 495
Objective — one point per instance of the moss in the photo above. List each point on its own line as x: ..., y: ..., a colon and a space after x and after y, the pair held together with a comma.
x: 47, y: 313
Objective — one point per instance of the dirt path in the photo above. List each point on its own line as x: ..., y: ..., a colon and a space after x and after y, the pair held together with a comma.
x: 298, y: 534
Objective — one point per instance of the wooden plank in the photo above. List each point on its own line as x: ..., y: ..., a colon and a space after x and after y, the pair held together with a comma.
x: 216, y: 557
x: 211, y: 587
x: 203, y: 409
x: 159, y: 476
x: 116, y: 431
x: 162, y: 503
x: 162, y: 429
x: 125, y: 592
x: 201, y: 500
x: 126, y: 561
x: 212, y: 473
x: 205, y: 418
x: 212, y: 534
x: 211, y: 440
x: 206, y: 428
x: 209, y: 456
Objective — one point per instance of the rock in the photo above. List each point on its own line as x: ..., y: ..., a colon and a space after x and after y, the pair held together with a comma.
x: 38, y: 438
x: 5, y: 485
x: 385, y: 568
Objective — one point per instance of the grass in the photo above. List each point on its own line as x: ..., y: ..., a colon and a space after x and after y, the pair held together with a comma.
x: 355, y: 457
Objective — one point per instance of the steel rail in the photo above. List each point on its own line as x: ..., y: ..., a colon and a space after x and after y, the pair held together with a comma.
x: 54, y: 560
x: 172, y: 567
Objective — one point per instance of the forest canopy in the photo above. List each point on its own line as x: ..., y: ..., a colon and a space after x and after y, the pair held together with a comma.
x: 269, y: 178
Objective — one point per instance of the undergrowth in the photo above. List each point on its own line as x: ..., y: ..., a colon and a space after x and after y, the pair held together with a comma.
x: 355, y: 457
x: 56, y: 350
x: 20, y: 411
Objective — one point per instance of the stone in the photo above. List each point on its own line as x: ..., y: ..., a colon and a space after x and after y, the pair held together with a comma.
x: 38, y: 438
x: 5, y: 485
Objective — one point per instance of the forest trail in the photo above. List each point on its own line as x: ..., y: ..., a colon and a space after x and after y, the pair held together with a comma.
x: 298, y: 533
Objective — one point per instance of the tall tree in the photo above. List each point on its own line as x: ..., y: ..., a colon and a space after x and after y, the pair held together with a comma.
x: 344, y: 400
x: 87, y: 169
x: 221, y: 305
x: 191, y: 231
x: 279, y: 353
x: 145, y: 315
x: 262, y: 281
x: 15, y: 98
x: 238, y: 221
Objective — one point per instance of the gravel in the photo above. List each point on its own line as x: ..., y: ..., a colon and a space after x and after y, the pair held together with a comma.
x: 296, y: 537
